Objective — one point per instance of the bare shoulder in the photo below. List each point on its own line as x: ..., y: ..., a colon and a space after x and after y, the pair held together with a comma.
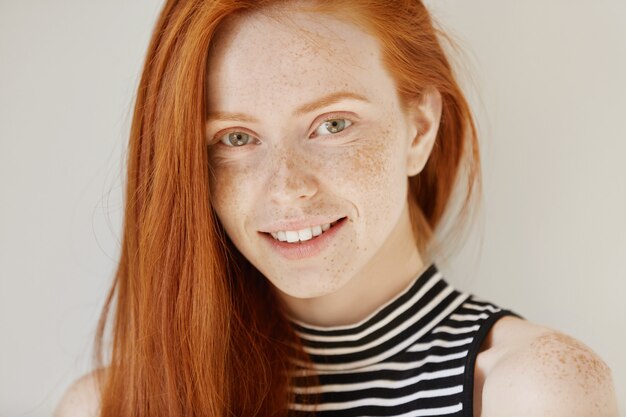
x: 81, y: 399
x: 533, y: 370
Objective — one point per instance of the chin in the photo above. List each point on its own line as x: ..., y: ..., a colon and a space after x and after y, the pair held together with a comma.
x: 313, y: 286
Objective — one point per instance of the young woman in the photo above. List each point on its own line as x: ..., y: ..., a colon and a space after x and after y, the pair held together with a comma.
x: 289, y: 165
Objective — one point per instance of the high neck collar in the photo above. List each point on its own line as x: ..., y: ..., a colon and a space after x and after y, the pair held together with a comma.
x: 392, y: 327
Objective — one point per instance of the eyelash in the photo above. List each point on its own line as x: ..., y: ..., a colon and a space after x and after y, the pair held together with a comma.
x: 338, y: 116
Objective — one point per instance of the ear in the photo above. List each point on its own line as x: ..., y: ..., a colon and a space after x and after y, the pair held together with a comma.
x: 424, y: 116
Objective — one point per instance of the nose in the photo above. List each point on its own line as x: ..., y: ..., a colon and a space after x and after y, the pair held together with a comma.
x: 291, y: 179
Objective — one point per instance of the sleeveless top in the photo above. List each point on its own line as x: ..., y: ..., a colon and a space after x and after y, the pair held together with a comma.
x: 413, y: 356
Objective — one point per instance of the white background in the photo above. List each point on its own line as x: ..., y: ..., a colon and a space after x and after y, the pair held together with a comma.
x: 546, y: 81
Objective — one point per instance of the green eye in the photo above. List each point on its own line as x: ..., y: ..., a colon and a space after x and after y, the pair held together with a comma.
x: 333, y: 126
x: 236, y: 139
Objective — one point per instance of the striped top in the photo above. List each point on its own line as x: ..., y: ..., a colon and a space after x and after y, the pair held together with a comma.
x: 413, y: 356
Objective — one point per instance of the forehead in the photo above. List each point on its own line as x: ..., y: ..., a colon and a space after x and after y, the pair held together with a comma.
x: 273, y: 59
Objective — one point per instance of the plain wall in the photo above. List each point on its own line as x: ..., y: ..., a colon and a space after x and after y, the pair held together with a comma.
x: 546, y: 81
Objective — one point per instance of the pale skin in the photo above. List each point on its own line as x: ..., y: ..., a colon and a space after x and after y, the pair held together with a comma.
x: 292, y: 167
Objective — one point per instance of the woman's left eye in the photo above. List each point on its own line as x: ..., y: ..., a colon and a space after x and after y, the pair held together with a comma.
x: 332, y: 126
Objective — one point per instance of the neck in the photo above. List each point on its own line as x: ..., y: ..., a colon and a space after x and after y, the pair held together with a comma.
x: 390, y: 271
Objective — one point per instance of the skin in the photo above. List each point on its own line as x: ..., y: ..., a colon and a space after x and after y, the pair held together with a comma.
x: 527, y: 369
x: 293, y: 167
x: 266, y: 68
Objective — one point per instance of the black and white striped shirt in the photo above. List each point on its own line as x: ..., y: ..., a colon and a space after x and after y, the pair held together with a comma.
x: 413, y: 356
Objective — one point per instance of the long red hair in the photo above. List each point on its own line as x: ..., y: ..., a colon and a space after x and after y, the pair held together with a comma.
x: 196, y: 329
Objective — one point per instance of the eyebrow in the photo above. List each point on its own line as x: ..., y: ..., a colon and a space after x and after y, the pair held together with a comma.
x: 300, y: 111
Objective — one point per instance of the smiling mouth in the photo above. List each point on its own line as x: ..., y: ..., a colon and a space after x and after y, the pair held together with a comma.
x: 294, y: 249
x: 303, y: 235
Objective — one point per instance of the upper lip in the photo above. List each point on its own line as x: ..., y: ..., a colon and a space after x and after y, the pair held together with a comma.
x: 298, y: 224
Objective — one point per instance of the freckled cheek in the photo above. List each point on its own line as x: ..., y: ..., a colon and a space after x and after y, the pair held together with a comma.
x: 372, y: 163
x: 375, y: 179
x: 229, y: 187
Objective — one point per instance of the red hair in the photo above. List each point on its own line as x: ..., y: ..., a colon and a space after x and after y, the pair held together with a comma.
x: 196, y: 329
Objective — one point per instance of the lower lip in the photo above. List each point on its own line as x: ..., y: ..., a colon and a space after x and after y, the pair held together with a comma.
x: 308, y: 248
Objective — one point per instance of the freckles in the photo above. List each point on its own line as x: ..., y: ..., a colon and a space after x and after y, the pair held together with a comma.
x: 374, y: 175
x: 367, y: 163
x: 373, y: 160
x: 227, y: 187
x: 570, y: 358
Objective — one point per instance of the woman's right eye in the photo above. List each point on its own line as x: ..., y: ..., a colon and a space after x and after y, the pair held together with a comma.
x: 236, y: 139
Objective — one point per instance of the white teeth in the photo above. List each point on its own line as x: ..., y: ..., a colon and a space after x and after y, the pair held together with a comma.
x: 302, y: 235
x: 291, y: 236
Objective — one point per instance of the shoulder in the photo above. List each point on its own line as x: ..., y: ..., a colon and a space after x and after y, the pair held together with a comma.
x: 533, y: 370
x: 81, y: 399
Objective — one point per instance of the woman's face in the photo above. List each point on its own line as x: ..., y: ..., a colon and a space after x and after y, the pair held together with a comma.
x: 277, y: 166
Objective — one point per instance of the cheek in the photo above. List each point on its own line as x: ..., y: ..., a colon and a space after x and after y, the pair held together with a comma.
x: 228, y: 188
x: 371, y: 164
x: 373, y: 170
